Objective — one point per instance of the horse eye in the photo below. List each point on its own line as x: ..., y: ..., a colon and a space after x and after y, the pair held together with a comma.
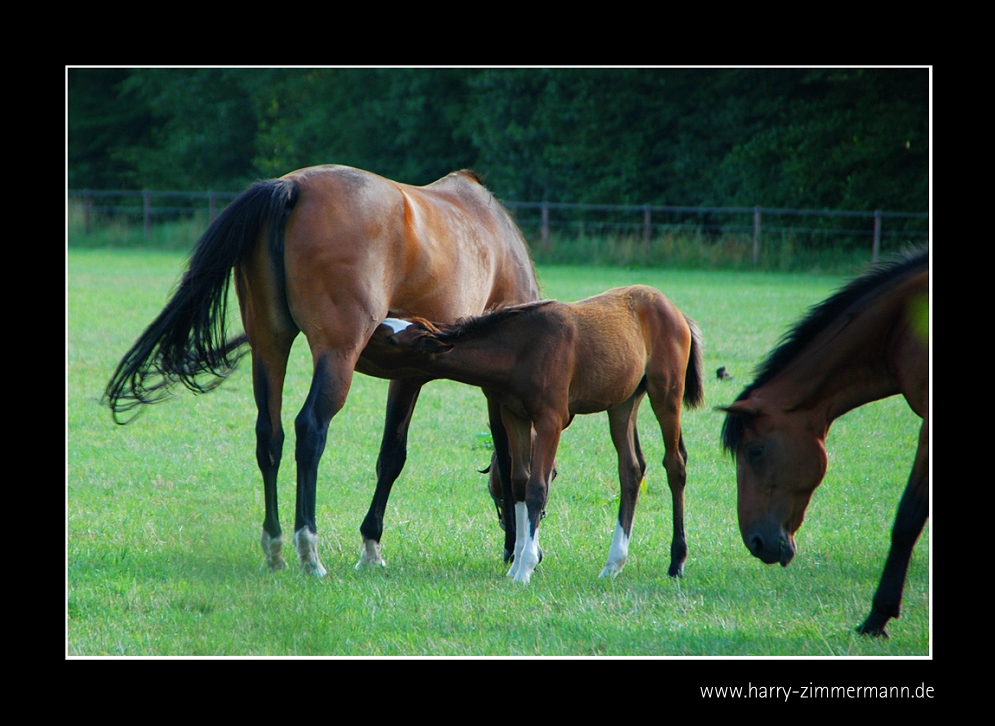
x: 754, y: 453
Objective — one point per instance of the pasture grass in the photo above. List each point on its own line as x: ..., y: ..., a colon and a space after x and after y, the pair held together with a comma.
x: 164, y: 515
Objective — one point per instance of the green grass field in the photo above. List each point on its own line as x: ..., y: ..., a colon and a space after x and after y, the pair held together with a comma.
x: 164, y: 515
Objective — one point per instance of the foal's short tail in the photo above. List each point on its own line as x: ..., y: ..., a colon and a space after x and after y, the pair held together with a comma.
x: 189, y: 336
x: 694, y: 383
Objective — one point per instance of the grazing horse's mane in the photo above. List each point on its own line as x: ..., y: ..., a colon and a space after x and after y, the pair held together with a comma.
x: 480, y: 324
x: 819, y: 316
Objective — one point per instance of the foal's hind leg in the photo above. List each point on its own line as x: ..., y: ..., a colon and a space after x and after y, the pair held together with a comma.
x: 401, y: 398
x: 631, y: 467
x: 666, y: 402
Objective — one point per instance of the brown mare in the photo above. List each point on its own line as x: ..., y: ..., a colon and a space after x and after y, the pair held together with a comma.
x: 866, y: 342
x: 327, y: 251
x: 547, y: 361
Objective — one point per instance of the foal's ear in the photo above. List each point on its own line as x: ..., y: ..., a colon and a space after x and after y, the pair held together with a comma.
x: 434, y: 346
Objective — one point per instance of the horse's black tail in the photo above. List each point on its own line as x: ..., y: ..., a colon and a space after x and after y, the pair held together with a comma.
x: 694, y: 382
x: 189, y: 338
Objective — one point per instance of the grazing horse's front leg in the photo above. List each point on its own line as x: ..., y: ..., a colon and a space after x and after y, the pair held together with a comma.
x: 401, y: 398
x: 909, y: 522
x: 329, y: 387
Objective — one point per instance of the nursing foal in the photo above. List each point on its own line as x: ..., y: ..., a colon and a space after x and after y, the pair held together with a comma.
x: 548, y: 361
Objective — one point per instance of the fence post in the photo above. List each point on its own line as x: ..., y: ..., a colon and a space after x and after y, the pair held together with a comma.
x: 87, y: 206
x: 877, y: 236
x: 147, y: 212
x: 646, y: 231
x: 756, y: 235
x: 545, y: 227
x: 212, y: 206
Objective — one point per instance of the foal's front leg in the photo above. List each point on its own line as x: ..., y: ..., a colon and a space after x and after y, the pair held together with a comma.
x: 530, y: 513
x: 519, y: 433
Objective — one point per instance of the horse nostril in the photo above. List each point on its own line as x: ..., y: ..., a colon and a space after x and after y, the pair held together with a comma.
x: 756, y: 545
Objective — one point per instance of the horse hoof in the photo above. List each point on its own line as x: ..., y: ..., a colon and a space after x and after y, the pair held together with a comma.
x: 522, y: 578
x: 370, y: 555
x: 509, y: 557
x: 273, y: 549
x: 676, y: 570
x: 306, y: 544
x: 612, y: 569
x: 313, y: 568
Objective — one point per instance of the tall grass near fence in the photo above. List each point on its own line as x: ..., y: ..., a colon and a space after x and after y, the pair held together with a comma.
x: 692, y: 250
x: 164, y: 515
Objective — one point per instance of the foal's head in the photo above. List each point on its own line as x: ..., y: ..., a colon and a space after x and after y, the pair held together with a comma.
x: 404, y: 342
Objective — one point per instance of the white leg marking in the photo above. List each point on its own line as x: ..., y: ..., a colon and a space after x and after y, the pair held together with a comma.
x: 617, y: 554
x: 273, y: 549
x: 527, y: 551
x: 521, y: 533
x: 370, y: 555
x: 307, y: 550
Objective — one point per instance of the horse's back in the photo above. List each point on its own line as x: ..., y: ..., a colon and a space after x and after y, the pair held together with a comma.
x: 358, y: 244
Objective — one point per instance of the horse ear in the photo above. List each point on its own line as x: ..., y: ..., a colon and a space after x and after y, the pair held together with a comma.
x: 740, y: 408
x: 434, y: 346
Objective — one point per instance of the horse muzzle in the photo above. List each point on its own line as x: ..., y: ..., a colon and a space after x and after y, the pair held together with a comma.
x: 774, y: 547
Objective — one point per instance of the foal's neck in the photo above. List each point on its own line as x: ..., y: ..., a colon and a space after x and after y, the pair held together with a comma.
x: 483, y: 361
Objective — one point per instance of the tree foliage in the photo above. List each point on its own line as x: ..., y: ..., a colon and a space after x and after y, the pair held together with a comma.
x: 854, y: 139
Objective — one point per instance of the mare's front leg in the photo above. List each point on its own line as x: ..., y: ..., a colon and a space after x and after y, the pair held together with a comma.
x: 909, y: 522
x: 530, y: 512
x: 502, y: 475
x: 401, y: 398
x: 329, y: 386
x: 631, y: 467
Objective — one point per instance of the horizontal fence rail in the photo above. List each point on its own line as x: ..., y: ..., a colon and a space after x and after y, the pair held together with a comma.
x: 571, y: 220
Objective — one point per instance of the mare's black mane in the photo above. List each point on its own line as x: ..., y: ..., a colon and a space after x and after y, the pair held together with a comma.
x: 819, y: 316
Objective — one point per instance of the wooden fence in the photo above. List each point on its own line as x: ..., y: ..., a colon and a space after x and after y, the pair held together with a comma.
x: 545, y: 218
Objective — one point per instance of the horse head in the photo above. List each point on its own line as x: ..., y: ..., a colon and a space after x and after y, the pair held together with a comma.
x: 404, y: 343
x: 780, y: 460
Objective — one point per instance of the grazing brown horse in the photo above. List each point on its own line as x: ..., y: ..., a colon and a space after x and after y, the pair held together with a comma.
x: 546, y: 362
x: 327, y: 251
x: 868, y: 341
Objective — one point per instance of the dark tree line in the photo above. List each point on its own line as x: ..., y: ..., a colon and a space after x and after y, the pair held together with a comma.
x: 854, y: 139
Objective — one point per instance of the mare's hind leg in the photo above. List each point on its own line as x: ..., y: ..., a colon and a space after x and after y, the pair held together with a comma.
x: 329, y: 387
x: 401, y: 398
x: 666, y: 402
x: 909, y: 522
x: 267, y: 383
x: 631, y: 467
